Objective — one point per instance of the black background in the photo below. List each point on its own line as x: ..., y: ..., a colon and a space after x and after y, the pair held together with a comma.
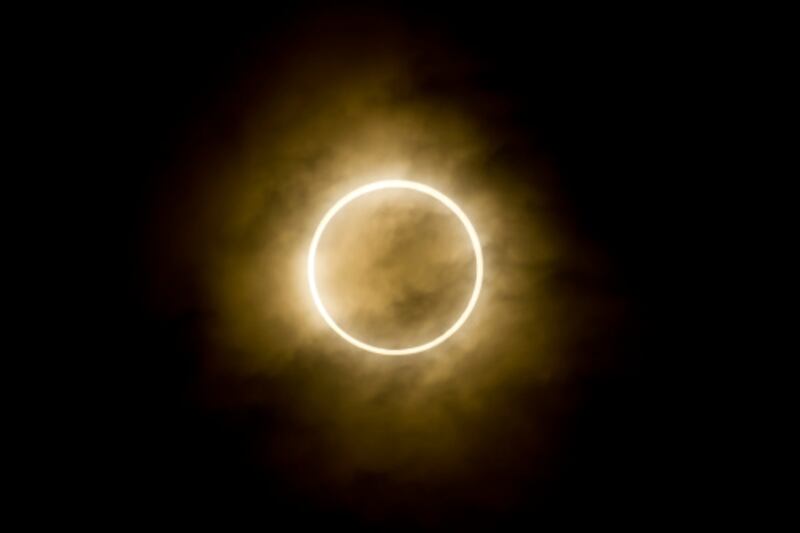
x: 620, y: 126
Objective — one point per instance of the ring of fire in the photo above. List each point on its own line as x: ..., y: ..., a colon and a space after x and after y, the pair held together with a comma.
x: 395, y: 184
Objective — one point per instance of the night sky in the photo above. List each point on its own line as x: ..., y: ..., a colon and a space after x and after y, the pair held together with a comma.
x: 222, y: 137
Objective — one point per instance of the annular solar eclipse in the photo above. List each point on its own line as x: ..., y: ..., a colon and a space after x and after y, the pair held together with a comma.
x: 395, y: 184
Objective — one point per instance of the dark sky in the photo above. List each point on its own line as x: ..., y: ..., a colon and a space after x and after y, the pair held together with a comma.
x: 210, y: 405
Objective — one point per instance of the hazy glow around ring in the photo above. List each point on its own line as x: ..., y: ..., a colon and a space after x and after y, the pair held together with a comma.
x: 395, y: 184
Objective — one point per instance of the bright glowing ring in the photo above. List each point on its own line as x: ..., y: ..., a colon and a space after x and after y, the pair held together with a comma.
x: 395, y: 184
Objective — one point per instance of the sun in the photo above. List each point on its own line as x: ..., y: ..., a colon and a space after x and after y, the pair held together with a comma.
x: 395, y: 184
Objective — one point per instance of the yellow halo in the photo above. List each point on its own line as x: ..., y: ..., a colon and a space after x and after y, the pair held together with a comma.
x: 395, y: 184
